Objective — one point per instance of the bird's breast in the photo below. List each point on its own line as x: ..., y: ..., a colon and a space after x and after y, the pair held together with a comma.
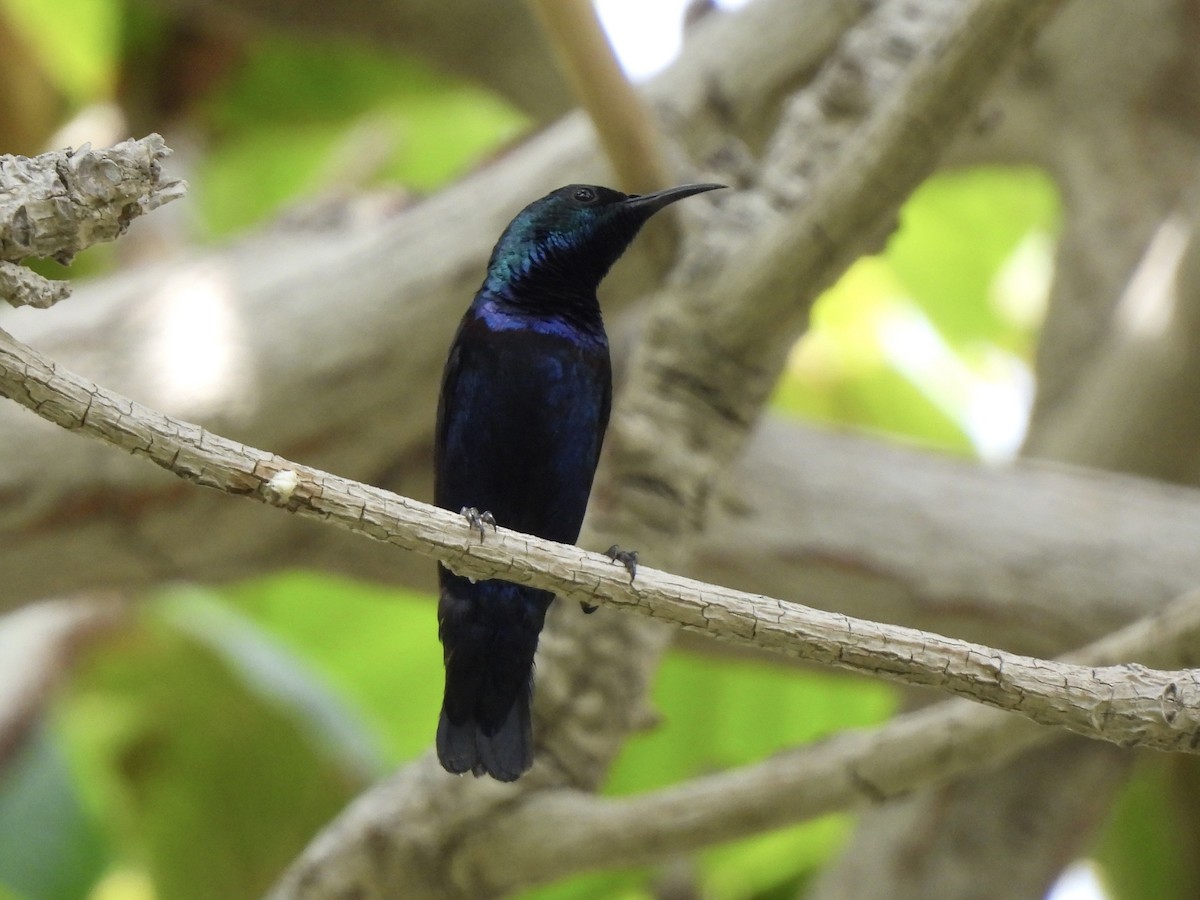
x: 523, y: 414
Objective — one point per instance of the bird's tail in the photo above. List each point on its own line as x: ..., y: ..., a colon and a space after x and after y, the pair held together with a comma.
x: 467, y: 746
x: 489, y: 632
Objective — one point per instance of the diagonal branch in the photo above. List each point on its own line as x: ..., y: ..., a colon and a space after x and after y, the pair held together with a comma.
x: 851, y: 769
x: 627, y: 131
x: 367, y: 274
x: 623, y: 122
x: 1129, y: 705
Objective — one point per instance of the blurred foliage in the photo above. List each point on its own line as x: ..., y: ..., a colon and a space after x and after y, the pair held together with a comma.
x: 277, y: 120
x: 51, y: 847
x: 376, y: 648
x: 301, y: 119
x: 198, y: 770
x: 194, y: 754
x: 252, y: 715
x: 80, y: 59
x: 931, y: 340
x: 1148, y: 847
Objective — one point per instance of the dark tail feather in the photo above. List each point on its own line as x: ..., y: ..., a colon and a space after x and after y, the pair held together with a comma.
x: 506, y: 755
x: 490, y: 633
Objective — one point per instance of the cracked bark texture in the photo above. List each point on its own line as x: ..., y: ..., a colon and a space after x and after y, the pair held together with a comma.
x: 55, y: 204
x: 1128, y: 704
x: 1108, y: 86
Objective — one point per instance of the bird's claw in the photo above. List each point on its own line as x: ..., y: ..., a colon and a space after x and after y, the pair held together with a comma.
x: 477, y: 520
x: 627, y: 558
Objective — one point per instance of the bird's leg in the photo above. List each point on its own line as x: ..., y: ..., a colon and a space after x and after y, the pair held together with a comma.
x: 478, y: 520
x: 627, y: 558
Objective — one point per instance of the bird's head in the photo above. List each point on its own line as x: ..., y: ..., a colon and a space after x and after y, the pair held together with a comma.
x: 572, y: 236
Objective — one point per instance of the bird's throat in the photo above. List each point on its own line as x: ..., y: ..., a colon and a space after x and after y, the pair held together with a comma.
x: 546, y: 298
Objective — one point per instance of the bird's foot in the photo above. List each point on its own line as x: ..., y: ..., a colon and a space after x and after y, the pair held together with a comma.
x: 477, y: 520
x: 627, y: 558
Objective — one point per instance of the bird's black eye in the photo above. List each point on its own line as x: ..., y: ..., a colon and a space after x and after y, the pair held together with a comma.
x: 584, y: 195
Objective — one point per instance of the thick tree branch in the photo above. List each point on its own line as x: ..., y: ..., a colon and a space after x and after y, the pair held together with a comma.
x: 1115, y: 85
x: 846, y: 154
x: 1029, y: 557
x: 56, y: 204
x: 1138, y: 374
x: 1125, y: 704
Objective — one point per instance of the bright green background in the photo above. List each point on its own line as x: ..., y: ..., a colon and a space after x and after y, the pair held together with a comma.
x: 193, y: 754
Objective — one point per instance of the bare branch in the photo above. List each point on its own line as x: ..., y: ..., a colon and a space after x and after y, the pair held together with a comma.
x: 56, y: 204
x: 850, y: 769
x: 280, y: 382
x: 627, y: 131
x: 1129, y: 705
x: 24, y: 287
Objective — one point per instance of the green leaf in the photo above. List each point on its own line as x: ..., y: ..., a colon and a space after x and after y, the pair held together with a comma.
x: 931, y: 340
x: 625, y: 885
x: 302, y: 118
x: 840, y: 372
x: 77, y: 42
x: 721, y: 713
x: 50, y: 847
x: 956, y: 232
x: 376, y: 647
x: 775, y: 864
x: 198, y: 771
x: 1148, y: 847
x: 881, y: 400
x: 268, y: 668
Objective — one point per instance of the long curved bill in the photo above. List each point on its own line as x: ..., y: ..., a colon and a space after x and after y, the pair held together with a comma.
x: 652, y: 203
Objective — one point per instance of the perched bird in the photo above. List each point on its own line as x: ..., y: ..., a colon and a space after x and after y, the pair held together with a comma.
x: 523, y: 408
